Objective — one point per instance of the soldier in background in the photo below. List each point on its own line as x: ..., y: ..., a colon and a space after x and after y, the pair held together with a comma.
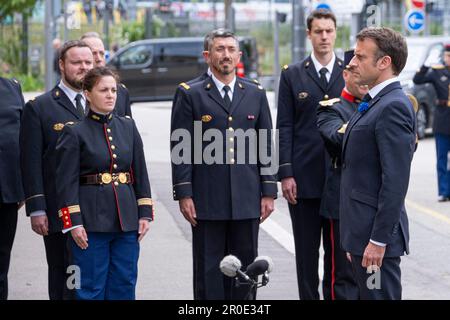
x: 439, y: 77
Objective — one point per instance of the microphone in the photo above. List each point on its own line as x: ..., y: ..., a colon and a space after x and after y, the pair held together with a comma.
x: 261, y: 265
x: 231, y: 267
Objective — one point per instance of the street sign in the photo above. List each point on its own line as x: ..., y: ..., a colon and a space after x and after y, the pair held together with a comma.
x: 325, y: 6
x: 414, y: 21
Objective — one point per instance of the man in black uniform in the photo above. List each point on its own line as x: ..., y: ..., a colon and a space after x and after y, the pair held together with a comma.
x: 439, y: 76
x: 224, y: 199
x: 93, y: 40
x: 332, y: 118
x: 42, y: 121
x: 11, y: 191
x: 302, y: 154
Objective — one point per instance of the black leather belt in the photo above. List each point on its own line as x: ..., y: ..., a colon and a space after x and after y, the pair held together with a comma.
x: 106, y: 178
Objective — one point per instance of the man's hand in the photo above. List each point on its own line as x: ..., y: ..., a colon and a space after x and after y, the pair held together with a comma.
x: 39, y: 224
x: 289, y: 188
x: 144, y: 226
x: 267, y: 207
x: 373, y: 256
x: 187, y: 208
x: 79, y: 235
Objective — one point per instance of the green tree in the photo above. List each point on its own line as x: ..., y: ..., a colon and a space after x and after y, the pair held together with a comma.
x: 7, y: 10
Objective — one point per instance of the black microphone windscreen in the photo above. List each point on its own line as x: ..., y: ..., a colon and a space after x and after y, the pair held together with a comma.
x: 257, y: 268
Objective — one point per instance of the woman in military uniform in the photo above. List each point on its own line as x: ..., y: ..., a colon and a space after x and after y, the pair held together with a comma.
x: 104, y: 193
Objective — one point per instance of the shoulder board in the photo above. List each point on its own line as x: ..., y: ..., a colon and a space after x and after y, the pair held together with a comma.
x: 285, y: 67
x: 128, y: 117
x: 123, y: 86
x: 329, y: 103
x: 185, y: 85
x: 260, y: 87
x: 15, y: 81
x: 255, y: 81
x: 438, y: 67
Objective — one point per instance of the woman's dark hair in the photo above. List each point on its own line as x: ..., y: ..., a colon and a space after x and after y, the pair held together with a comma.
x: 94, y: 75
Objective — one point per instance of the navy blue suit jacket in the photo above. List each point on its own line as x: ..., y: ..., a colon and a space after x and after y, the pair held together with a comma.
x: 377, y: 151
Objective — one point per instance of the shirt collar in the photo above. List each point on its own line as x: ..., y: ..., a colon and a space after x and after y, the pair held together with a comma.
x: 220, y: 84
x: 70, y: 93
x: 319, y: 66
x: 377, y: 89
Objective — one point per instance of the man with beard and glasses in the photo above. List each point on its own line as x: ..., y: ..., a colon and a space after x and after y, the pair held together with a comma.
x: 93, y: 40
x: 42, y: 121
x: 224, y: 199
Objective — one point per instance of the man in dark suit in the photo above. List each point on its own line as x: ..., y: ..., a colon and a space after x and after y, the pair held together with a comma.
x: 226, y: 192
x: 332, y: 119
x: 378, y: 147
x: 302, y: 154
x: 11, y: 191
x: 42, y: 121
x: 123, y: 104
x: 439, y: 77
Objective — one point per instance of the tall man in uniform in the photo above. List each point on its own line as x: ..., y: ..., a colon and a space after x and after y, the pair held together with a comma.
x: 42, y: 121
x: 439, y: 77
x: 302, y: 154
x: 93, y: 40
x: 332, y: 119
x: 224, y: 199
x: 11, y: 191
x: 377, y: 151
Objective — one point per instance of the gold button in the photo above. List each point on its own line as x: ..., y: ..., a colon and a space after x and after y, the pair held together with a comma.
x: 231, y: 129
x: 110, y: 138
x: 113, y: 147
x: 108, y: 130
x: 114, y: 155
x: 66, y: 217
x: 115, y: 166
x: 231, y: 150
x: 67, y: 223
x: 326, y: 96
x: 232, y: 161
x: 230, y: 118
x: 116, y: 183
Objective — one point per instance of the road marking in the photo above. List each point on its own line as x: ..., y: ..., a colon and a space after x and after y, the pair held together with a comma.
x: 427, y: 211
x: 283, y: 237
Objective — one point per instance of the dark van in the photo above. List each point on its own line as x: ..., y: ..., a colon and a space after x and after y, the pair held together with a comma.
x: 152, y: 69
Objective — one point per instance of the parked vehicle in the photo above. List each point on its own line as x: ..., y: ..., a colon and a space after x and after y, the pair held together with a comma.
x: 420, y: 50
x: 152, y: 69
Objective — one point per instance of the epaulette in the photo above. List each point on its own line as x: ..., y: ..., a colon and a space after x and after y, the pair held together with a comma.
x: 329, y: 103
x: 438, y: 67
x: 123, y: 86
x: 185, y: 85
x: 15, y: 81
x: 260, y: 87
x: 128, y: 117
x: 255, y: 81
x: 285, y: 67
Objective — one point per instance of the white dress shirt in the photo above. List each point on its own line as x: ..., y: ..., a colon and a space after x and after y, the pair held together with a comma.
x: 319, y: 66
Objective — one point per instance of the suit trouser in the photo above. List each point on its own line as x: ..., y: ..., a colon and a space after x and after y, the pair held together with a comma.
x: 383, y: 285
x: 57, y: 254
x: 443, y: 165
x: 307, y: 227
x: 108, y: 267
x: 211, y: 241
x: 340, y: 283
x: 8, y: 225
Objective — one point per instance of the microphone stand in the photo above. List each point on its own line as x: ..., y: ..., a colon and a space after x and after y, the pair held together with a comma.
x: 252, y: 283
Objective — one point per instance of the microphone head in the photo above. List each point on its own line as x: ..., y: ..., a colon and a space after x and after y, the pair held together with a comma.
x: 269, y: 262
x: 230, y: 265
x: 260, y: 266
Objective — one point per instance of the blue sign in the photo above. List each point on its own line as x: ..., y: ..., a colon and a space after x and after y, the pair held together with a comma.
x: 415, y: 21
x: 323, y: 6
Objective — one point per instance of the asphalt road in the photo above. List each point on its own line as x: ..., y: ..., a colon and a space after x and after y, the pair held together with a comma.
x: 165, y: 266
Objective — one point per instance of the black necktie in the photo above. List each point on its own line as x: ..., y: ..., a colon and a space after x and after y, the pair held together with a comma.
x: 366, y: 98
x: 226, y: 97
x: 323, y: 77
x: 78, y: 104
